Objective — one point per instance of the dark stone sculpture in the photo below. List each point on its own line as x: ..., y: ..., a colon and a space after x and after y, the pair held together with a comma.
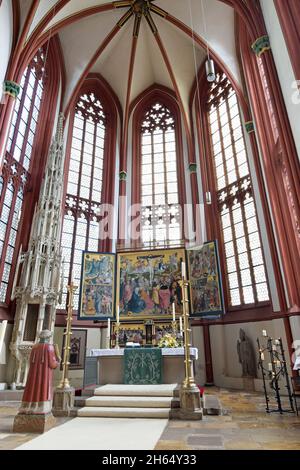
x: 246, y: 355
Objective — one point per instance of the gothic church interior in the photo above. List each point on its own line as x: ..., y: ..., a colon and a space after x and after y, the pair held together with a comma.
x: 145, y: 144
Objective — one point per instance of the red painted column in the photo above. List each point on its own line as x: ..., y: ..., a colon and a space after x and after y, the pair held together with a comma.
x: 208, y: 356
x: 289, y: 16
x: 280, y: 160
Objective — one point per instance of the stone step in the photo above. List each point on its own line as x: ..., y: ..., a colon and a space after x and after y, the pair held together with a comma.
x: 211, y: 405
x: 111, y: 412
x: 11, y: 395
x: 165, y: 390
x: 129, y: 401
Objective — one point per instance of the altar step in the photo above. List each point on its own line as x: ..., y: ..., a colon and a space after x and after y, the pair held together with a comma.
x: 164, y: 390
x: 130, y: 401
x: 111, y: 412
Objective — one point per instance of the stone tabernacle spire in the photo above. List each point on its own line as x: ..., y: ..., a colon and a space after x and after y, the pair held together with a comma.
x: 38, y: 280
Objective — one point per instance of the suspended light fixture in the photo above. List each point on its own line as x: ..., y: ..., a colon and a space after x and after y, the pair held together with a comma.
x: 209, y: 64
x: 210, y: 70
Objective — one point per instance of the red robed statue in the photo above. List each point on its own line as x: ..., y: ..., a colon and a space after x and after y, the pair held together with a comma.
x: 37, y: 397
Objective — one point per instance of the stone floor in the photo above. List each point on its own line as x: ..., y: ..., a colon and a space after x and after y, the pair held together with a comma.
x: 8, y: 439
x: 243, y: 425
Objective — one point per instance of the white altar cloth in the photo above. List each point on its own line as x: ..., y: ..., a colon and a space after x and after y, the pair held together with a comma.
x: 165, y: 352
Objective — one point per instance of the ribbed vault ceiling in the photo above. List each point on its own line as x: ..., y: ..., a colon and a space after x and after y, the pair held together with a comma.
x: 136, y: 43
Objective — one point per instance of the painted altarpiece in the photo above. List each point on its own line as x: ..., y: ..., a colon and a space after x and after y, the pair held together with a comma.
x: 205, y: 282
x: 148, y: 284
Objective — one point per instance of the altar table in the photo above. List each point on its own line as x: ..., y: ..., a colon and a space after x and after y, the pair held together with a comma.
x: 111, y: 371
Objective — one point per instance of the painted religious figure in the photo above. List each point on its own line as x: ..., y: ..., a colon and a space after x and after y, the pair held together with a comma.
x: 148, y: 283
x: 162, y: 329
x: 133, y: 332
x: 205, y: 284
x: 37, y: 397
x: 97, y: 286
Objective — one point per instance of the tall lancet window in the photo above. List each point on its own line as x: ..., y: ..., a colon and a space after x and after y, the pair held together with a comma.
x: 246, y: 274
x: 83, y: 198
x: 159, y: 185
x: 18, y: 164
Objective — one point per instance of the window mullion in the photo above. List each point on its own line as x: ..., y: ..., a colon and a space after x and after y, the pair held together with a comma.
x: 6, y: 177
x: 81, y: 159
x: 229, y: 206
x: 233, y: 143
x: 244, y: 218
x: 17, y: 124
x: 153, y: 221
x: 166, y: 185
x: 89, y: 217
x: 248, y: 245
x: 28, y: 127
x: 76, y: 215
x: 8, y: 228
x: 222, y: 146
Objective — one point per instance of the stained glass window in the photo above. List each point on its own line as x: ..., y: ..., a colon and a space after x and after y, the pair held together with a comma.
x: 17, y: 163
x: 245, y: 266
x: 84, y: 188
x: 159, y: 186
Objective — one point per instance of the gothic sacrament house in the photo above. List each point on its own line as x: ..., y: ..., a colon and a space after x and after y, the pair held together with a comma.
x: 149, y: 212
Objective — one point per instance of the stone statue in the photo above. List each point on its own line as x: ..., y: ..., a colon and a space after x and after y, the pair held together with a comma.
x: 246, y: 355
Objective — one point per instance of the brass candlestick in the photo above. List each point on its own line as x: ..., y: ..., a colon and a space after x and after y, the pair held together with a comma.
x: 64, y: 383
x: 188, y: 382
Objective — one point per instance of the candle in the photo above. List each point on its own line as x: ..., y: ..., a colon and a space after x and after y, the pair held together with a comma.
x: 264, y: 333
x: 173, y: 311
x: 262, y: 356
x: 278, y: 364
x: 108, y: 328
x: 118, y: 313
x: 183, y: 270
x: 274, y: 347
x: 180, y: 324
x: 270, y: 366
x: 277, y: 342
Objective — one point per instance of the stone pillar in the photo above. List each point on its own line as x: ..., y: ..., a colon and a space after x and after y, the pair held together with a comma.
x: 33, y: 423
x: 63, y: 401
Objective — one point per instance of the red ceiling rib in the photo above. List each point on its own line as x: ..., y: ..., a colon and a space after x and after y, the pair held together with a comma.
x: 245, y: 9
x: 33, y: 45
x: 22, y: 38
x: 93, y: 60
x: 47, y: 19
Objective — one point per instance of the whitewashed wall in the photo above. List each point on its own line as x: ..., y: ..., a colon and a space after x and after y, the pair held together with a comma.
x: 226, y: 366
x: 93, y: 341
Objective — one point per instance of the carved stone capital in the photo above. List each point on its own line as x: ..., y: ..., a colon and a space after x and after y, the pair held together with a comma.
x: 11, y: 88
x: 261, y: 45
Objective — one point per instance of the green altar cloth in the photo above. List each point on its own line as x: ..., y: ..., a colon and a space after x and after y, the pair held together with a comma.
x: 142, y: 366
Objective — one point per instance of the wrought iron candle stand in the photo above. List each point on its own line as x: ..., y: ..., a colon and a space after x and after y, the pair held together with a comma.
x: 276, y: 369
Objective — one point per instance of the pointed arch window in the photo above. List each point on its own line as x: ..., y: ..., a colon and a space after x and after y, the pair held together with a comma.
x: 18, y: 163
x: 84, y: 187
x: 245, y: 267
x: 159, y: 192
